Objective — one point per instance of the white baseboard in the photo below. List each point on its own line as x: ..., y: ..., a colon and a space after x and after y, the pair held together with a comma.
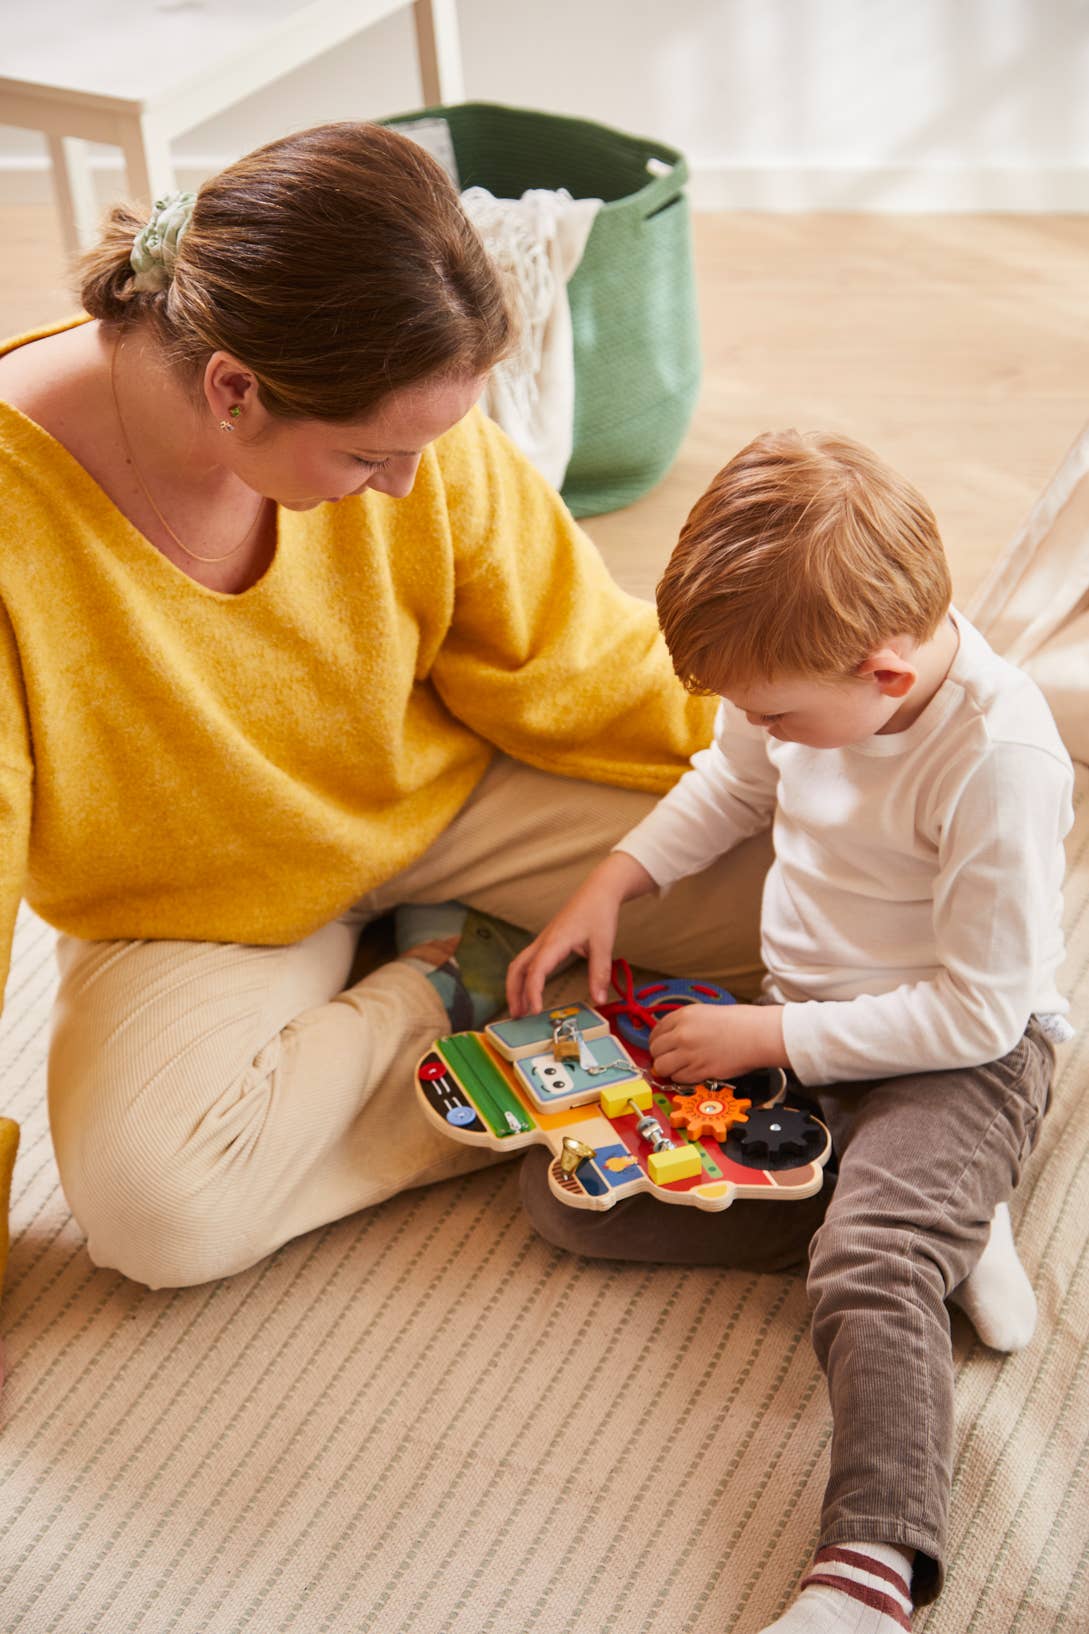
x: 25, y: 178
x: 922, y: 188
x: 964, y: 189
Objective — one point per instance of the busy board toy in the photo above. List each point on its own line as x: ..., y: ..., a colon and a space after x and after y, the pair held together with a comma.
x: 563, y: 1079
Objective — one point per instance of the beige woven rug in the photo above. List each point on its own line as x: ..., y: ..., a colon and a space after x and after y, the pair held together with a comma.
x: 424, y: 1419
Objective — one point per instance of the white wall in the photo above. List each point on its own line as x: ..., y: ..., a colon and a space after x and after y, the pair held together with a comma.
x: 796, y: 104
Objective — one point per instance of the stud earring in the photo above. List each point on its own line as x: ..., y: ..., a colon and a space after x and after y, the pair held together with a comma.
x: 228, y: 425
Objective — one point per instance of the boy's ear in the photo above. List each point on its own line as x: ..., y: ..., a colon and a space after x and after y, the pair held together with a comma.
x: 893, y: 674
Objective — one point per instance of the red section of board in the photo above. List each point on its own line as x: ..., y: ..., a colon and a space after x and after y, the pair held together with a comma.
x: 640, y: 1149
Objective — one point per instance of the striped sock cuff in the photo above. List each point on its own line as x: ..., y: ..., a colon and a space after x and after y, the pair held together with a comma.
x: 863, y: 1578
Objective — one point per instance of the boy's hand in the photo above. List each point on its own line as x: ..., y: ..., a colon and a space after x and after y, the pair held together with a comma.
x: 586, y: 924
x: 704, y: 1041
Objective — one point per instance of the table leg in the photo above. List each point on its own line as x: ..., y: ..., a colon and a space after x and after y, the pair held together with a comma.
x: 438, y: 49
x: 77, y: 202
x: 149, y: 167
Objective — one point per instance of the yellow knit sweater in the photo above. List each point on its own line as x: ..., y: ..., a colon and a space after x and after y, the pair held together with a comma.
x: 177, y: 762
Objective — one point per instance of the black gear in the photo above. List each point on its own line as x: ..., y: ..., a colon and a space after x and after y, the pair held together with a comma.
x: 776, y: 1137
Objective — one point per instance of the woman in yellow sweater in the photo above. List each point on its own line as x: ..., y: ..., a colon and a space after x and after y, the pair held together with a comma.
x: 290, y: 636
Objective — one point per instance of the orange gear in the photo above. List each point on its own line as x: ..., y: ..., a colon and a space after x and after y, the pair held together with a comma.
x: 708, y: 1111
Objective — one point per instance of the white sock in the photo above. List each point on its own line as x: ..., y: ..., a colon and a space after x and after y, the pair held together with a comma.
x: 997, y: 1296
x: 852, y: 1588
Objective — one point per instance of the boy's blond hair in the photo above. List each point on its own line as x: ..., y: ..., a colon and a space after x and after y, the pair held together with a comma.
x: 804, y: 556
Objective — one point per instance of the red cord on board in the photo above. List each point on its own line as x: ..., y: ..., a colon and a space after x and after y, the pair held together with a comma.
x: 639, y: 1007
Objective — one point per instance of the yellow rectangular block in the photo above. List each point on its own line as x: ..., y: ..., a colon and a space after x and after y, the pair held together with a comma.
x: 615, y: 1098
x: 679, y: 1164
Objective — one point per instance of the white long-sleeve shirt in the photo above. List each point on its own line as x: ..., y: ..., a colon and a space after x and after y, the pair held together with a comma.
x: 912, y: 918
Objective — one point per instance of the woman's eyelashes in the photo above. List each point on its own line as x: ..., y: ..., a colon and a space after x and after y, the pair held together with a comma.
x: 372, y: 465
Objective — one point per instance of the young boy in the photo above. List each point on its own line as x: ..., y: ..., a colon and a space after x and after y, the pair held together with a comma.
x: 919, y: 795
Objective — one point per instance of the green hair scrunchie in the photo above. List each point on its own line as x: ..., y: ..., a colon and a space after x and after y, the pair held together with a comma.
x: 155, y: 247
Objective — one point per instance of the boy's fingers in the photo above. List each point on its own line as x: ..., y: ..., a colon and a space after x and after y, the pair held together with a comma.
x: 525, y: 1001
x: 532, y: 974
x: 536, y: 976
x: 665, y: 1065
x: 673, y: 1063
x: 671, y: 1032
x: 660, y: 1036
x: 599, y: 973
x: 516, y: 980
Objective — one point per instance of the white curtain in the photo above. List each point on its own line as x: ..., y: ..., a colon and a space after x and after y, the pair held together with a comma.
x: 1034, y: 606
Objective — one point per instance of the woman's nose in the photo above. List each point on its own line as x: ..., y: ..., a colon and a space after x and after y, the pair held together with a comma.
x: 398, y: 478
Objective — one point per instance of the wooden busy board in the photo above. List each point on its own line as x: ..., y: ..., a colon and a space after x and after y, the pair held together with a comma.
x: 562, y: 1079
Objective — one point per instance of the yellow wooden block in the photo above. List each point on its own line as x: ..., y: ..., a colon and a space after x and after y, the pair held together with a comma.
x: 615, y: 1098
x: 679, y: 1164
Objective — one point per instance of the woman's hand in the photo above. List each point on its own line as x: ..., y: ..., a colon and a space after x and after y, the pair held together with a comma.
x: 586, y: 925
x: 704, y: 1041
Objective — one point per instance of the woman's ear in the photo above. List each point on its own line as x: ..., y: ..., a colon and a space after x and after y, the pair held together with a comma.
x: 893, y: 674
x: 229, y: 387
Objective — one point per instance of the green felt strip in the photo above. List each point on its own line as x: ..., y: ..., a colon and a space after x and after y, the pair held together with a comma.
x: 484, y: 1083
x: 486, y: 1106
x: 491, y: 1076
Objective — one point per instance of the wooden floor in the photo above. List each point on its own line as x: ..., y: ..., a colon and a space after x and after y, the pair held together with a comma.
x: 957, y: 346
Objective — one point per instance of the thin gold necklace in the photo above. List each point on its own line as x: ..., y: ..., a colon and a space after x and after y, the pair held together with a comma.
x: 144, y: 488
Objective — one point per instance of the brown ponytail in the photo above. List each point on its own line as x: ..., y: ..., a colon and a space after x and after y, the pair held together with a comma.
x: 105, y: 275
x: 337, y: 264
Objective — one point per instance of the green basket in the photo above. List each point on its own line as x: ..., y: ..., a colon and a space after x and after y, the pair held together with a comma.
x: 633, y: 296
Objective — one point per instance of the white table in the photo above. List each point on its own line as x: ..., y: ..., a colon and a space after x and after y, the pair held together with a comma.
x: 134, y: 74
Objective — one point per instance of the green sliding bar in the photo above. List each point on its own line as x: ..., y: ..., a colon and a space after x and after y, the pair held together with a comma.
x: 485, y: 1083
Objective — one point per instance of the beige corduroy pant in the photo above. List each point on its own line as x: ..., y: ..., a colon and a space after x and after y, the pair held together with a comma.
x: 210, y: 1101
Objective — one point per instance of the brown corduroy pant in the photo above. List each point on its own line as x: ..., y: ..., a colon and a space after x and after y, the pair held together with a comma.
x: 924, y: 1160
